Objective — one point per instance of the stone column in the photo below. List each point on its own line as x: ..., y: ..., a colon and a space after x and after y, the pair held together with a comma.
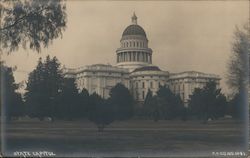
x: 141, y: 58
x: 137, y: 56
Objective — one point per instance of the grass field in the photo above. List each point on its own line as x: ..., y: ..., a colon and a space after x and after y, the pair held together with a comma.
x: 127, y: 138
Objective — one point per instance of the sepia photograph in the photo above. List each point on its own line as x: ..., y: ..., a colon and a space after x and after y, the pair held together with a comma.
x: 84, y: 78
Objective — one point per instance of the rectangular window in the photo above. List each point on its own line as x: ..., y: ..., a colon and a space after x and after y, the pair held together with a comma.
x: 143, y: 95
x: 151, y: 84
x: 143, y: 85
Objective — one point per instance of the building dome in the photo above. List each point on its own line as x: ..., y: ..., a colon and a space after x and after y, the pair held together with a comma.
x: 134, y: 51
x: 134, y: 30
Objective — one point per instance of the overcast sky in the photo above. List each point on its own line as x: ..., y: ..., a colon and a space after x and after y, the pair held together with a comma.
x: 184, y: 35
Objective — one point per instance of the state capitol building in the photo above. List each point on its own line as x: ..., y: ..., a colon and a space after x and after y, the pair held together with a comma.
x: 135, y: 69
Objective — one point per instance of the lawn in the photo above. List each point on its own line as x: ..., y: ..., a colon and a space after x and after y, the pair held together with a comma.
x: 125, y: 138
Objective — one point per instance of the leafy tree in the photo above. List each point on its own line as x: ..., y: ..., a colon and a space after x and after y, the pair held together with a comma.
x: 122, y: 101
x: 238, y: 73
x: 208, y: 102
x: 12, y: 101
x: 169, y: 103
x: 32, y: 23
x: 101, y: 112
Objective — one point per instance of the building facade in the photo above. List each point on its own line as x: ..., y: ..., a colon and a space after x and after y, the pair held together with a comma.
x: 135, y: 70
x: 98, y: 78
x: 184, y: 83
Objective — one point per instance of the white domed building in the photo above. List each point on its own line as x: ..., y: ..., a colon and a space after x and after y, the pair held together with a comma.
x: 135, y: 70
x: 134, y: 51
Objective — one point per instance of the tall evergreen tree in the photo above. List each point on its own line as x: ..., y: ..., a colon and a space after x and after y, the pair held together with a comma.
x: 122, y: 101
x: 101, y: 112
x: 208, y: 102
x: 67, y: 106
x: 84, y: 103
x: 169, y: 103
x: 150, y: 106
x: 43, y: 87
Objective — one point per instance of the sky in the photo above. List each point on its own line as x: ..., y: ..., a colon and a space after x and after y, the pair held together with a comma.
x: 184, y: 35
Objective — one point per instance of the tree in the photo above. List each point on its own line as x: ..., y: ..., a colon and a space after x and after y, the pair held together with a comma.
x: 84, y: 103
x: 101, y: 112
x: 33, y: 23
x: 150, y: 107
x: 238, y: 73
x: 12, y: 101
x: 208, y: 102
x: 35, y: 87
x: 122, y: 101
x: 236, y: 107
x: 43, y: 88
x: 169, y: 103
x: 67, y: 105
x: 147, y: 106
x: 156, y: 110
